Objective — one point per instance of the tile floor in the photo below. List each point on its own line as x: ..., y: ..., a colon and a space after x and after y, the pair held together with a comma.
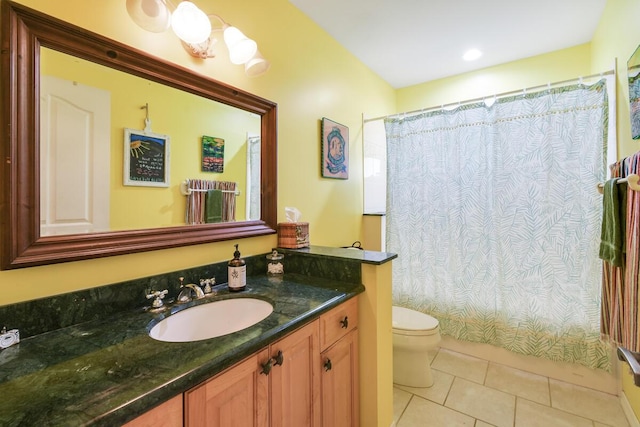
x: 473, y: 392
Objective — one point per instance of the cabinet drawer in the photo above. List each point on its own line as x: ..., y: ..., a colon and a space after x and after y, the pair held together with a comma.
x: 338, y: 322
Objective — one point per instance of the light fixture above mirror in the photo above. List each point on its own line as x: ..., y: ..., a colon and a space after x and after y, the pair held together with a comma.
x: 193, y: 27
x: 190, y: 24
x: 151, y: 15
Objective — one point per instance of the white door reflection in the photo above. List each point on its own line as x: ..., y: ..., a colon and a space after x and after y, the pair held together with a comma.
x: 75, y: 157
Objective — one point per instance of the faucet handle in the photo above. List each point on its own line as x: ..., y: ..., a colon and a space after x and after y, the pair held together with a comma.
x: 206, y: 284
x: 158, y: 295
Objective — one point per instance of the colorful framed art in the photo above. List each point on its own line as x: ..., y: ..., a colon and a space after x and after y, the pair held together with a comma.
x: 212, y: 154
x: 335, y: 150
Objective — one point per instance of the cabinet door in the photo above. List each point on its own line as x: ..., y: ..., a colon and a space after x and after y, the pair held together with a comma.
x: 236, y: 398
x: 340, y: 403
x: 169, y: 414
x: 295, y: 384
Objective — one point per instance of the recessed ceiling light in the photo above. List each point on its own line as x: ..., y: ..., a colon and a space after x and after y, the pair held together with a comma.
x: 472, y: 55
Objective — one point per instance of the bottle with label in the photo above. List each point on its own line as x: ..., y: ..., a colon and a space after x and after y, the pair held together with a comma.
x: 237, y: 272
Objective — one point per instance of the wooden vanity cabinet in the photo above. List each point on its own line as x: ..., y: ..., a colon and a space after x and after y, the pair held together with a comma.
x: 339, y: 378
x: 308, y: 378
x: 238, y: 397
x: 168, y: 414
x: 295, y: 384
x: 279, y: 386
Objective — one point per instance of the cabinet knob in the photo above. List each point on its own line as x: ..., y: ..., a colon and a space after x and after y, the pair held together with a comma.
x: 327, y: 365
x: 266, y: 367
x: 279, y: 359
x: 345, y: 322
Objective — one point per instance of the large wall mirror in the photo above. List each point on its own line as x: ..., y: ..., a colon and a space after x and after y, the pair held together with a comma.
x: 52, y: 169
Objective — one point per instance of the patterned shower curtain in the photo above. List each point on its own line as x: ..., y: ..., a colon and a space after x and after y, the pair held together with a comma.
x: 495, y: 216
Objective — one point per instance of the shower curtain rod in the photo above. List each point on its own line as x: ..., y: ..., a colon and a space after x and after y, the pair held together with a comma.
x: 496, y: 96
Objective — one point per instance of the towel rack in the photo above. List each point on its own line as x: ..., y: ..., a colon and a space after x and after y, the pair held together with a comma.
x: 633, y: 359
x: 185, y: 190
x: 633, y: 180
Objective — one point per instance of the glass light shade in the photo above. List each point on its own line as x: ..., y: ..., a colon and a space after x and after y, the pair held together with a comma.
x: 190, y: 24
x: 241, y: 48
x: 256, y: 65
x: 151, y: 15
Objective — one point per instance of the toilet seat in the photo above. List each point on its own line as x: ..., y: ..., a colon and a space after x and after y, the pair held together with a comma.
x: 410, y: 322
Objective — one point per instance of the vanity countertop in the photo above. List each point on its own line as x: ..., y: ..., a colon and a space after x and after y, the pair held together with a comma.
x: 352, y: 253
x: 109, y: 371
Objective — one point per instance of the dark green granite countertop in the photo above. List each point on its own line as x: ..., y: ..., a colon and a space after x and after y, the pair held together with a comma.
x: 350, y: 253
x: 109, y: 371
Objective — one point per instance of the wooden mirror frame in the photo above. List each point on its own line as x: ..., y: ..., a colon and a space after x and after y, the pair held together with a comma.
x: 24, y: 32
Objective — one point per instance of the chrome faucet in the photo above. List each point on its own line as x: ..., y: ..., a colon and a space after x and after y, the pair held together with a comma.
x: 189, y: 292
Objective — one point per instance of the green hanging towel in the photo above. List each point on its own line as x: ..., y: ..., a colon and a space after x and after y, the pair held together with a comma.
x: 213, y: 206
x: 614, y: 203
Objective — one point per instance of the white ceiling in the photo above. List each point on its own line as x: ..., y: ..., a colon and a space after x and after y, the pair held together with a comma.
x: 414, y: 41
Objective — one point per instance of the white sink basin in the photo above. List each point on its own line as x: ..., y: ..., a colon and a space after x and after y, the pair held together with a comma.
x: 211, y: 320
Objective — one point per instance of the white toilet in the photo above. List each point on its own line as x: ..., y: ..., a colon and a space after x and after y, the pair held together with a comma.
x: 414, y: 334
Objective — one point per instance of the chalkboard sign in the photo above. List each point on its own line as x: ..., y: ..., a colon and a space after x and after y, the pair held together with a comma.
x: 146, y: 158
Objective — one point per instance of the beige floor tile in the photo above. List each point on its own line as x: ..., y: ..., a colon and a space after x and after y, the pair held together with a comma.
x: 598, y: 406
x: 461, y: 365
x: 483, y: 424
x: 531, y: 414
x: 597, y: 424
x: 401, y: 399
x: 423, y: 413
x: 524, y: 384
x: 437, y: 392
x: 484, y: 403
x: 432, y: 354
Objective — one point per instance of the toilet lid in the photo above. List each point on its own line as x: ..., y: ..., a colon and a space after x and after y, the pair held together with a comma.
x: 411, y: 320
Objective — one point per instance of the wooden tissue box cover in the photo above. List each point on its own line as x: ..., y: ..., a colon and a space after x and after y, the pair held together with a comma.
x: 293, y: 235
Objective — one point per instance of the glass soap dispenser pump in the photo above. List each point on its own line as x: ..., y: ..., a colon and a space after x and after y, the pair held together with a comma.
x: 237, y: 272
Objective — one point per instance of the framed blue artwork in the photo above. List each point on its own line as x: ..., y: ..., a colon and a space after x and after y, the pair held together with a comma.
x: 335, y: 150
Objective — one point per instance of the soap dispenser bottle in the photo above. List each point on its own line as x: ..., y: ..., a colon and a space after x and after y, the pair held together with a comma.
x: 237, y: 272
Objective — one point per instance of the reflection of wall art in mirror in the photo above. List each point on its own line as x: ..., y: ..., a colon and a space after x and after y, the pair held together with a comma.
x: 212, y: 154
x: 146, y: 159
x: 633, y: 75
x: 335, y: 150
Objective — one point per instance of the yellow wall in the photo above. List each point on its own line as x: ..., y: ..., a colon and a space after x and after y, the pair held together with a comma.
x: 376, y: 346
x: 534, y: 71
x: 311, y: 77
x: 617, y: 36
